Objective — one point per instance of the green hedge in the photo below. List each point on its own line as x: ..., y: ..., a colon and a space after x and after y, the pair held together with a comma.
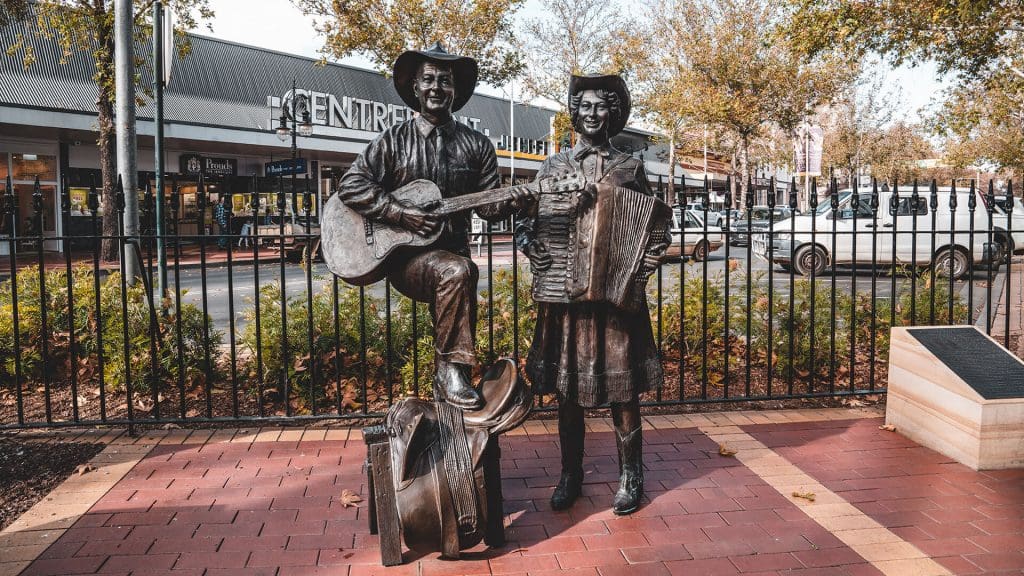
x: 339, y: 363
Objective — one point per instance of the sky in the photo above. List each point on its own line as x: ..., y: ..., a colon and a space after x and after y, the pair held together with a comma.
x: 279, y: 25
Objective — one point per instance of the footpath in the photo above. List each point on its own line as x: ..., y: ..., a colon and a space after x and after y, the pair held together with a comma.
x: 821, y: 492
x: 1006, y: 312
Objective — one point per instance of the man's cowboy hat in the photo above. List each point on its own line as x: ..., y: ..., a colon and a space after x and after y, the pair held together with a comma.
x: 611, y: 83
x: 408, y: 63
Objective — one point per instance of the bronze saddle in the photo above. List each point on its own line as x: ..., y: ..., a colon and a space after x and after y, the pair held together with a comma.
x: 434, y: 473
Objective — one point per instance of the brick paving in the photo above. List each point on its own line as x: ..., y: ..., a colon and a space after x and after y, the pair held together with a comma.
x: 269, y: 502
x: 969, y: 522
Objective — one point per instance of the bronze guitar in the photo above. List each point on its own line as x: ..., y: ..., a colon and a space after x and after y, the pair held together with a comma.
x: 357, y: 249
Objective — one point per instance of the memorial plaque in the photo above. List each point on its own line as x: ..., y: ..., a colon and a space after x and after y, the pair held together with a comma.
x: 981, y: 363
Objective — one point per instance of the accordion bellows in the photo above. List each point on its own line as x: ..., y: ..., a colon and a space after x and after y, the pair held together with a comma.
x: 597, y: 248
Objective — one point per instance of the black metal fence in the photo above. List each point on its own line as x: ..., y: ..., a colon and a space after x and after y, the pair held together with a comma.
x: 758, y: 308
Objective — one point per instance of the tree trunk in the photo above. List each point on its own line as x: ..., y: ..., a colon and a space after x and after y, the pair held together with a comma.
x: 744, y: 170
x: 108, y: 169
x: 670, y: 194
x: 107, y: 139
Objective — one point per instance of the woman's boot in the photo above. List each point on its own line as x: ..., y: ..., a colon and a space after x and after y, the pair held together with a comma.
x: 629, y: 438
x: 570, y: 440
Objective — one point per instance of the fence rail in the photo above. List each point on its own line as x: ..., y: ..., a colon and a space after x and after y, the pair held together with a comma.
x: 801, y: 310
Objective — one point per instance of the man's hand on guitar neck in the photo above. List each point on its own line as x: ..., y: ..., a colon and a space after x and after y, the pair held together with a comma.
x: 422, y: 221
x: 521, y: 197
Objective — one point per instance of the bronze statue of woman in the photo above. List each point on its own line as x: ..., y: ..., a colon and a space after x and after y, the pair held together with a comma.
x: 592, y: 353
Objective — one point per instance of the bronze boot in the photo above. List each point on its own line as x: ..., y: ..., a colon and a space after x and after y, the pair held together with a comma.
x: 631, y: 477
x: 452, y: 385
x: 570, y: 440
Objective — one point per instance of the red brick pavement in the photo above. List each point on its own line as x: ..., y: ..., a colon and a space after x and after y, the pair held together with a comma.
x: 274, y: 508
x: 970, y: 522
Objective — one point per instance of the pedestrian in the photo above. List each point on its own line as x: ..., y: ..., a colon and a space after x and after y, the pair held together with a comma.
x: 222, y: 214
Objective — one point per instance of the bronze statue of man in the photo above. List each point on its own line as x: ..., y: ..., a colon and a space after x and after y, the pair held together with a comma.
x: 460, y: 160
x: 592, y: 353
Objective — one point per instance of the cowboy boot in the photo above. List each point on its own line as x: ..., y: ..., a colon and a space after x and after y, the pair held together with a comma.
x: 631, y: 477
x: 570, y: 440
x: 452, y: 385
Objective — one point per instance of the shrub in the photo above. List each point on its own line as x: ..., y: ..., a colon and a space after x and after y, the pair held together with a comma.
x: 505, y: 324
x: 809, y: 355
x: 504, y: 294
x: 264, y: 349
x: 684, y: 327
x: 85, y: 320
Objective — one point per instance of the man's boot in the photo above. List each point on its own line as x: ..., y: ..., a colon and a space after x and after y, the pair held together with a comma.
x: 570, y: 440
x: 452, y: 384
x: 631, y: 477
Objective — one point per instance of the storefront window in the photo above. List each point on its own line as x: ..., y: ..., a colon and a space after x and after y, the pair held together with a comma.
x: 79, y: 201
x: 3, y: 168
x: 27, y: 221
x: 30, y: 166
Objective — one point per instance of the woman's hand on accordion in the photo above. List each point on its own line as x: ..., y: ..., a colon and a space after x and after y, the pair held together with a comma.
x: 651, y: 262
x: 540, y: 258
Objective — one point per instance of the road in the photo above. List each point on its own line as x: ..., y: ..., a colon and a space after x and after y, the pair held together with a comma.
x: 243, y: 280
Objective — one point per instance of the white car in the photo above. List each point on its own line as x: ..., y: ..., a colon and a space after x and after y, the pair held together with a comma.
x: 902, y: 234
x: 1002, y: 232
x: 713, y: 218
x: 691, y: 238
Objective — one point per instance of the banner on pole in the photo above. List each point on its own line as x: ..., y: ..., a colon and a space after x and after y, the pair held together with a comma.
x: 807, y: 151
x: 167, y: 34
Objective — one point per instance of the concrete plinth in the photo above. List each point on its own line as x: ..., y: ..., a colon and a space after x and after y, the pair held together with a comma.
x: 957, y: 391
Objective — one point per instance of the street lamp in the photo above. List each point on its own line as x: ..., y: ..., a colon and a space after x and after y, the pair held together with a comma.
x: 304, y: 128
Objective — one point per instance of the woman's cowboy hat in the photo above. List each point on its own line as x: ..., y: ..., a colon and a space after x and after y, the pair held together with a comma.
x: 408, y: 63
x: 612, y: 83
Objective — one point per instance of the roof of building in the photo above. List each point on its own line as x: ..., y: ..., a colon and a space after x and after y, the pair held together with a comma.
x: 221, y: 84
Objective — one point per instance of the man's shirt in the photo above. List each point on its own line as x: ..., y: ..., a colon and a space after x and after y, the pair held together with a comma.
x: 457, y: 158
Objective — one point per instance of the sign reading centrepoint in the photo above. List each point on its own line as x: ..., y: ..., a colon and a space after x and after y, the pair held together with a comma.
x: 353, y: 113
x: 350, y: 112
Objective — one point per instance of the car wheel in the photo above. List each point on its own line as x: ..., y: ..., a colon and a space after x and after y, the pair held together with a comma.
x: 786, y: 267
x: 1000, y: 255
x: 951, y: 261
x: 700, y: 251
x: 810, y: 259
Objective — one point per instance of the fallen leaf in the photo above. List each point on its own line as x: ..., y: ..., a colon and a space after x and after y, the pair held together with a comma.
x: 809, y: 496
x: 170, y: 426
x: 350, y: 498
x: 888, y: 427
x: 84, y: 469
x: 724, y: 450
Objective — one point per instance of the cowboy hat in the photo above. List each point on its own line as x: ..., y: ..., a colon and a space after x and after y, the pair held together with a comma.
x: 611, y: 83
x: 406, y: 65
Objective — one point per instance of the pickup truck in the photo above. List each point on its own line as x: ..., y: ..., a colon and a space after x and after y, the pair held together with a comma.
x: 901, y: 234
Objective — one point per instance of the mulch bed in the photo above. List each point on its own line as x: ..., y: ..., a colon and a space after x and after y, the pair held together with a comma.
x: 31, y: 470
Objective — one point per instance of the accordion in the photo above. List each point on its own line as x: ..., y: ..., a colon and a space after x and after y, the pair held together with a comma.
x: 597, y: 248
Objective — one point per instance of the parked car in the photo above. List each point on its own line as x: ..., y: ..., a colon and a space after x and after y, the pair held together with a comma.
x: 295, y: 242
x: 1004, y: 232
x: 758, y: 220
x: 710, y: 215
x: 691, y: 238
x: 904, y: 233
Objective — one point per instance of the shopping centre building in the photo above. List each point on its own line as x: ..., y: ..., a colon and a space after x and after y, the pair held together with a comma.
x: 222, y: 108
